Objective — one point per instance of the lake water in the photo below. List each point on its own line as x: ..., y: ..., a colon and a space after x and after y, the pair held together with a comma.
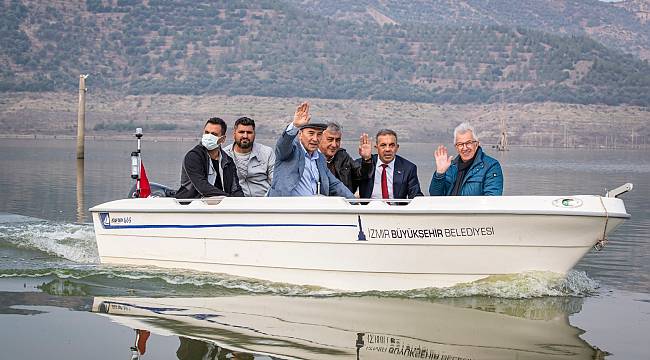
x: 54, y: 295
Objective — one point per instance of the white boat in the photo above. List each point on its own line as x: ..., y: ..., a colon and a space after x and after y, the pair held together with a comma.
x: 340, y: 244
x: 368, y: 327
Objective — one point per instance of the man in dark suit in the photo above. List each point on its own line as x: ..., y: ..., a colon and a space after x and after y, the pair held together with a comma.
x: 393, y: 177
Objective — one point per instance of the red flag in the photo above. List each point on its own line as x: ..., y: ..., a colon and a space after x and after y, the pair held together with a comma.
x: 142, y: 336
x: 145, y: 188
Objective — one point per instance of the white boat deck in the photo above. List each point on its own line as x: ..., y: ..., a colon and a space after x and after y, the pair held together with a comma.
x: 577, y: 205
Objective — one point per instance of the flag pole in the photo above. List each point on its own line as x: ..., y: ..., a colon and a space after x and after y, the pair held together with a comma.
x: 136, y: 163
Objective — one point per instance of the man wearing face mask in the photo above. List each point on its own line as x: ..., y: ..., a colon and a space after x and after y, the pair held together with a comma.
x: 300, y: 169
x: 207, y: 170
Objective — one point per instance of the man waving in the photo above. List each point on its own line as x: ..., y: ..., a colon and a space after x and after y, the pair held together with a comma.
x: 300, y: 169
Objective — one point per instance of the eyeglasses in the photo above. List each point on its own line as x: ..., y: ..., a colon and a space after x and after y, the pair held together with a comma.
x: 467, y: 144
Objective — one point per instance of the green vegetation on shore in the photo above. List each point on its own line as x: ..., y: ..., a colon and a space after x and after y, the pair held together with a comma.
x: 279, y: 49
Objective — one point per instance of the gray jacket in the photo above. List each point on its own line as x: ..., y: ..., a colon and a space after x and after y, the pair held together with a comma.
x: 256, y: 179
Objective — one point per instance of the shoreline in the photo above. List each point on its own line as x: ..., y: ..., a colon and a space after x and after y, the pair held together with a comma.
x: 182, y: 138
x: 544, y: 125
x: 112, y: 137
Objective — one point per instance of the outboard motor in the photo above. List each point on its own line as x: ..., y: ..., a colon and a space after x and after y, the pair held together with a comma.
x: 157, y: 190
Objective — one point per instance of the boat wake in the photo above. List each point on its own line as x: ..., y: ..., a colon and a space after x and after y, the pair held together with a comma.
x: 94, y: 280
x: 75, y: 242
x: 518, y: 286
x: 68, y: 263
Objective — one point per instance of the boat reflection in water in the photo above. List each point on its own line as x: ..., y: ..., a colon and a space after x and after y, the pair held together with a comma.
x: 359, y: 327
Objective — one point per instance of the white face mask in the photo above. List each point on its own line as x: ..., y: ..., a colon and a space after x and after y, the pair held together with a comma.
x: 210, y: 141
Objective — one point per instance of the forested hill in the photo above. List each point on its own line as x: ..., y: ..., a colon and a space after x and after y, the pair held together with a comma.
x: 624, y: 25
x: 287, y: 48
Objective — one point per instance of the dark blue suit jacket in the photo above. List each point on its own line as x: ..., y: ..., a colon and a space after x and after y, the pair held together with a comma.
x: 405, y: 180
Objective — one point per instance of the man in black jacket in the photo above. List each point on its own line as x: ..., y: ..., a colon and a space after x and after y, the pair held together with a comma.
x: 340, y: 163
x: 207, y: 170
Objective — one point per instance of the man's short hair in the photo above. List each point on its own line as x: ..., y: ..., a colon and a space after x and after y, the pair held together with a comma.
x: 217, y: 121
x: 463, y: 128
x: 383, y: 132
x: 333, y: 127
x: 245, y: 121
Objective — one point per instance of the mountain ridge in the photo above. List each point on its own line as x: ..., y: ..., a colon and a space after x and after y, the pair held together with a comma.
x: 622, y: 25
x: 267, y: 48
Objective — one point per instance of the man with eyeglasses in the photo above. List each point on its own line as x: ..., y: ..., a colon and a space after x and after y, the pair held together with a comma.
x: 471, y: 173
x: 392, y: 177
x: 207, y: 170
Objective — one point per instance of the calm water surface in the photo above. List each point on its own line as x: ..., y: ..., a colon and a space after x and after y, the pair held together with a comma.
x: 48, y: 266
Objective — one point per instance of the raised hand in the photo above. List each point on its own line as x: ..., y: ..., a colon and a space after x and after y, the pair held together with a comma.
x: 302, y: 116
x: 443, y: 160
x: 365, y: 147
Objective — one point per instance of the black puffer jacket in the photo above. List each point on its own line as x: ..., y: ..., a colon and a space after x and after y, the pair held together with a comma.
x: 194, y: 176
x: 349, y: 171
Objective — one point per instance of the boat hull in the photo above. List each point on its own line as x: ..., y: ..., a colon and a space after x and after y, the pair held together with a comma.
x: 327, y: 242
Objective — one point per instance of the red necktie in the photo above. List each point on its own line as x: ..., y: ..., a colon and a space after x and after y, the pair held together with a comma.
x: 384, y: 182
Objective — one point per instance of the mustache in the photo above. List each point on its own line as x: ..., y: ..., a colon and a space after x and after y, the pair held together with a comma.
x: 244, y: 143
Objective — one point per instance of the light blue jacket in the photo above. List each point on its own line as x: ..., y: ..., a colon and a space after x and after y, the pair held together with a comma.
x: 484, y: 177
x: 290, y: 164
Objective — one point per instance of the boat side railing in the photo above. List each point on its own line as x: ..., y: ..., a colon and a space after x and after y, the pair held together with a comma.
x: 387, y: 201
x: 619, y: 190
x: 215, y: 200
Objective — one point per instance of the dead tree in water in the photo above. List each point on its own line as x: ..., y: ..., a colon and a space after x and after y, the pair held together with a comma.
x: 81, y: 116
x: 502, y: 144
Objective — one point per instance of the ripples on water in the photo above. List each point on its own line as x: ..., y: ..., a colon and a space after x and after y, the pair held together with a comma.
x: 75, y: 242
x: 516, y: 316
x: 622, y: 264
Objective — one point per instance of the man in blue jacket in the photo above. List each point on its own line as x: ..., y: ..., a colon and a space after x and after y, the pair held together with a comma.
x: 300, y: 169
x: 471, y: 173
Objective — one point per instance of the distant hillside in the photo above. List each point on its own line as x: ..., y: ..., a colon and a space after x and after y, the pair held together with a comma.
x: 623, y: 25
x: 173, y: 116
x: 287, y: 48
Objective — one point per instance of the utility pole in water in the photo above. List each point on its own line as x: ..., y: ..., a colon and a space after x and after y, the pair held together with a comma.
x: 81, y: 116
